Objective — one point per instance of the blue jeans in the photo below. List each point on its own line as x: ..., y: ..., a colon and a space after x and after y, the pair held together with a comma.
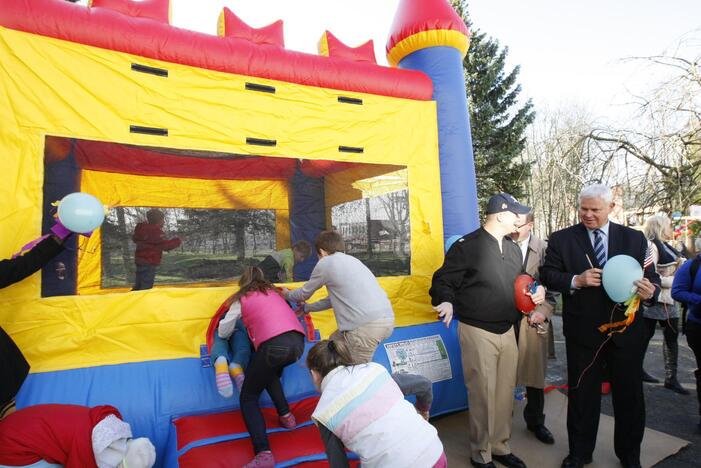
x: 235, y: 349
x: 145, y: 276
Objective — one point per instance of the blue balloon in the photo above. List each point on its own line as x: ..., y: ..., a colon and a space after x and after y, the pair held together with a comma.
x: 450, y: 241
x: 618, y: 276
x: 81, y: 212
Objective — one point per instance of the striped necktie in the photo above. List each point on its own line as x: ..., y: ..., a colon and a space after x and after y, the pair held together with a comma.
x: 599, y: 247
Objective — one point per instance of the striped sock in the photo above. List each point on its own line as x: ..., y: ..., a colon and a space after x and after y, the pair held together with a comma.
x: 221, y: 375
x: 236, y: 372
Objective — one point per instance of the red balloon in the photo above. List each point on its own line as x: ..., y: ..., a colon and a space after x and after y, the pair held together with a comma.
x: 523, y: 303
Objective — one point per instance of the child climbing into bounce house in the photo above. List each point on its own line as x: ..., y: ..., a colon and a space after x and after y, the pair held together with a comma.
x: 278, y: 339
x: 71, y: 436
x: 362, y: 408
x: 278, y: 266
x: 150, y: 245
x: 231, y: 351
x: 363, y: 312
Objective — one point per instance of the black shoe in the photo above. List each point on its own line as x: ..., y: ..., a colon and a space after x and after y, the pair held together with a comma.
x: 542, y: 434
x: 631, y: 465
x: 510, y: 460
x: 482, y: 465
x: 571, y: 461
x: 648, y: 378
x: 674, y: 385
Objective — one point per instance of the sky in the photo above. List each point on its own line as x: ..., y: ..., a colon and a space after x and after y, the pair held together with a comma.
x: 570, y: 51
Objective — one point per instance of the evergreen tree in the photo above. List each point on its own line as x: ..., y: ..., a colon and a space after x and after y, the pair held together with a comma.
x: 498, y: 123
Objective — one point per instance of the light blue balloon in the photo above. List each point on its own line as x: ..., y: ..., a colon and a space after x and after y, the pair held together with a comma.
x: 81, y: 212
x: 618, y: 276
x: 450, y: 241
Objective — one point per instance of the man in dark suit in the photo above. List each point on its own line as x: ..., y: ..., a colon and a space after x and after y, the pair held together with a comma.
x: 573, y: 265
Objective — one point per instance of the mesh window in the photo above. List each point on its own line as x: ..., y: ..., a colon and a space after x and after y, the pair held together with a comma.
x: 198, y: 218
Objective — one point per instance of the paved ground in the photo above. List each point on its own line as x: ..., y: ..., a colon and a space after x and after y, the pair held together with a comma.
x: 666, y: 411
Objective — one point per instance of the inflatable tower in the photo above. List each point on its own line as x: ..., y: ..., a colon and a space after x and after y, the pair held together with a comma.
x: 429, y: 36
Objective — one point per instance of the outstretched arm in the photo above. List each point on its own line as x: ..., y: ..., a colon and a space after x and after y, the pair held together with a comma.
x: 16, y: 269
x: 323, y: 304
x: 316, y: 281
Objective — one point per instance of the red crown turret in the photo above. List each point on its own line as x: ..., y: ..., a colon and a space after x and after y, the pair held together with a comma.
x: 425, y: 23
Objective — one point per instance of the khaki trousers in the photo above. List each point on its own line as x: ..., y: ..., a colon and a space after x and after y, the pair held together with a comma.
x: 364, y: 340
x: 489, y: 363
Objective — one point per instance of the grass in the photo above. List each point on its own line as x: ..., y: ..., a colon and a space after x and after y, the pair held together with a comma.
x: 188, y: 267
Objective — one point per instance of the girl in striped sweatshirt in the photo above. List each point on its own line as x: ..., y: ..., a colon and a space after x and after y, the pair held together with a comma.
x: 361, y: 408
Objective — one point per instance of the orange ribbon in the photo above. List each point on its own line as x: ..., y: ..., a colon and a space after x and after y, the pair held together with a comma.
x: 633, y: 304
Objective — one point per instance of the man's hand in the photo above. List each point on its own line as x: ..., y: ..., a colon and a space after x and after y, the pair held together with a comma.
x: 285, y: 292
x: 589, y: 278
x: 539, y: 296
x: 535, y: 318
x: 646, y: 290
x: 445, y: 312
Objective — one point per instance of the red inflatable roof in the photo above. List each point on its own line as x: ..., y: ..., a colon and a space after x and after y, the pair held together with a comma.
x: 416, y: 16
x: 165, y: 162
x: 107, y: 29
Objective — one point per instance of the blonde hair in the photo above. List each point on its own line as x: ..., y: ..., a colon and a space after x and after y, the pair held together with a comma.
x: 655, y: 227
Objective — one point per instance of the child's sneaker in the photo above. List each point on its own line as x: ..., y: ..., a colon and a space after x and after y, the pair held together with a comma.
x: 262, y: 460
x: 288, y: 421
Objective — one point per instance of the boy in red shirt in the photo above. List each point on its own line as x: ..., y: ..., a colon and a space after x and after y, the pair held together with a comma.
x: 150, y: 244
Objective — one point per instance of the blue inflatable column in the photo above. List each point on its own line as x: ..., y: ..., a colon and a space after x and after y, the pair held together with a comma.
x: 307, y: 217
x: 457, y: 166
x: 427, y: 35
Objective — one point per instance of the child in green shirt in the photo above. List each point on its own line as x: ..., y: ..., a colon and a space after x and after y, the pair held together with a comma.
x: 277, y: 267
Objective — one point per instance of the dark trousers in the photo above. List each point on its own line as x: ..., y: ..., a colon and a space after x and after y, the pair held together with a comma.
x: 535, y: 403
x: 670, y: 346
x: 625, y: 366
x: 670, y: 328
x: 693, y: 338
x: 263, y: 373
x: 13, y: 369
x: 145, y: 276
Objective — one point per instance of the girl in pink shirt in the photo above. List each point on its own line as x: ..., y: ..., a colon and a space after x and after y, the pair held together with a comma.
x: 278, y: 339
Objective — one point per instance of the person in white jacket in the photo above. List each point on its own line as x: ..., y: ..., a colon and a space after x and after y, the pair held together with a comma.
x: 362, y: 408
x: 658, y: 230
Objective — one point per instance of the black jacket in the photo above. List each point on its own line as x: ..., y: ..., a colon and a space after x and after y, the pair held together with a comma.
x: 13, y: 367
x: 585, y: 309
x: 478, y: 279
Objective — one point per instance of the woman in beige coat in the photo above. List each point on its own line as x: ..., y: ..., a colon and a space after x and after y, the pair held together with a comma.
x: 533, y: 342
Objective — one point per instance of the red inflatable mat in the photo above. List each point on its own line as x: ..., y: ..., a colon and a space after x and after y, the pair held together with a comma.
x: 221, y: 440
x: 289, y: 447
x: 192, y: 429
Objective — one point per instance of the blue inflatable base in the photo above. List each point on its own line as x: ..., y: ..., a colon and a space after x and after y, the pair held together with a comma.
x: 150, y: 394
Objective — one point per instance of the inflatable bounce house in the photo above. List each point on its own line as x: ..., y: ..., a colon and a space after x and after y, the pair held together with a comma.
x: 243, y: 148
